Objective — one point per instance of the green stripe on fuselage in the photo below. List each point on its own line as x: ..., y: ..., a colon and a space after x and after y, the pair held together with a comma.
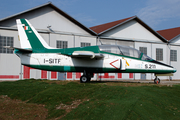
x: 96, y: 70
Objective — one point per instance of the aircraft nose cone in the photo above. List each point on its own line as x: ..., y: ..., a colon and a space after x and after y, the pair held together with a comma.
x: 174, y: 70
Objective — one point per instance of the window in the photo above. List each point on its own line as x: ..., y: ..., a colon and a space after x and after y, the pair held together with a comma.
x: 61, y: 44
x: 6, y: 41
x: 159, y: 54
x: 143, y: 50
x: 85, y: 44
x: 173, y: 55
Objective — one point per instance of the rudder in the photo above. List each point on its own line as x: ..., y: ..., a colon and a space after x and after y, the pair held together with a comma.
x: 29, y: 37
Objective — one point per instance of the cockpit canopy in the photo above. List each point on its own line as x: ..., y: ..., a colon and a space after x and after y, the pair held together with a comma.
x: 123, y: 50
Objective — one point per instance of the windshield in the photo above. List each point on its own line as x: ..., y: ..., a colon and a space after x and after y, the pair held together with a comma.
x: 128, y: 51
x: 145, y: 57
x: 121, y: 50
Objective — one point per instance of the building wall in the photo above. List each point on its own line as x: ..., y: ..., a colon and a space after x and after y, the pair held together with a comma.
x: 9, y: 63
x: 132, y: 30
x: 175, y: 64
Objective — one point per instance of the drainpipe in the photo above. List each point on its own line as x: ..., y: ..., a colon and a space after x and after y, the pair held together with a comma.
x: 49, y: 45
x: 49, y: 27
x: 21, y: 72
x: 97, y: 40
x: 151, y: 57
x: 97, y: 74
x: 134, y: 73
x: 74, y: 40
x: 169, y: 57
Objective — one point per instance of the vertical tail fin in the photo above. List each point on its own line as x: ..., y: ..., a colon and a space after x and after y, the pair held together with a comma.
x: 24, y: 42
x: 29, y: 37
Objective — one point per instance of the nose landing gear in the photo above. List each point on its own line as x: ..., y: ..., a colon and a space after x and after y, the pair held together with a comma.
x: 156, y: 80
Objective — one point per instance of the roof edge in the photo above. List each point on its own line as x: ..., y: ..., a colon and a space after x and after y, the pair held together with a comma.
x: 117, y: 25
x: 142, y: 23
x: 24, y: 11
x: 58, y: 10
x: 173, y: 38
x: 153, y: 31
x: 75, y: 21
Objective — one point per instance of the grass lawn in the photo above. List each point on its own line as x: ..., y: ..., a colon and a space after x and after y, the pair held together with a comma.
x: 95, y: 100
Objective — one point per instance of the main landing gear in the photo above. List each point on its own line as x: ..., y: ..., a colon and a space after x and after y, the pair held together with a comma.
x: 156, y: 80
x: 86, y: 77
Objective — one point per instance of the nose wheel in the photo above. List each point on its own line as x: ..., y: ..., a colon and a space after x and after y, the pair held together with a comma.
x: 156, y: 80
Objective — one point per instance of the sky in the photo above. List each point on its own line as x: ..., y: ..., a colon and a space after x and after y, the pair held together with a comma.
x: 158, y: 14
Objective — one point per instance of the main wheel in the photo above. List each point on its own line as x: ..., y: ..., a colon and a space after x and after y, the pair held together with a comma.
x: 84, y: 79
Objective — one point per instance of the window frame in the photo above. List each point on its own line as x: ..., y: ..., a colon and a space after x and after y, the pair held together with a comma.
x: 159, y: 54
x: 85, y: 44
x: 6, y: 41
x: 173, y: 55
x: 143, y: 50
x: 61, y: 44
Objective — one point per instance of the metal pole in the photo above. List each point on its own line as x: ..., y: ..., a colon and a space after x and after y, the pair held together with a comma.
x: 21, y: 72
x: 49, y: 45
x: 169, y: 57
x: 49, y: 27
x: 151, y: 57
x: 74, y: 40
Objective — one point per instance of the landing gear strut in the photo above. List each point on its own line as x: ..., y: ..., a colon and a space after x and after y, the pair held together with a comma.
x: 86, y: 77
x: 156, y: 80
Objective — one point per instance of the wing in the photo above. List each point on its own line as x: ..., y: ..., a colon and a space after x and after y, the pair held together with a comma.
x: 86, y: 54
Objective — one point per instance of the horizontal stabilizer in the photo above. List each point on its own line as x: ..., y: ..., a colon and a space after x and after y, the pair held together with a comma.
x: 19, y: 49
x: 86, y: 54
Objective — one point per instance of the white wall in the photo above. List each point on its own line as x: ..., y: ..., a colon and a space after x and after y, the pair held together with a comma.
x: 10, y: 63
x: 176, y: 64
x: 132, y: 30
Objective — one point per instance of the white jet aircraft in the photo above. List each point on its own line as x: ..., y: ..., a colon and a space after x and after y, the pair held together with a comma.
x: 36, y: 53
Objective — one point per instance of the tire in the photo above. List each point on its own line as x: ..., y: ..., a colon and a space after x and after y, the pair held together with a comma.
x: 156, y: 80
x: 83, y: 79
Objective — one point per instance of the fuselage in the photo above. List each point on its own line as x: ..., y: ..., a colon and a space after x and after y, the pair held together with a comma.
x: 114, y: 60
